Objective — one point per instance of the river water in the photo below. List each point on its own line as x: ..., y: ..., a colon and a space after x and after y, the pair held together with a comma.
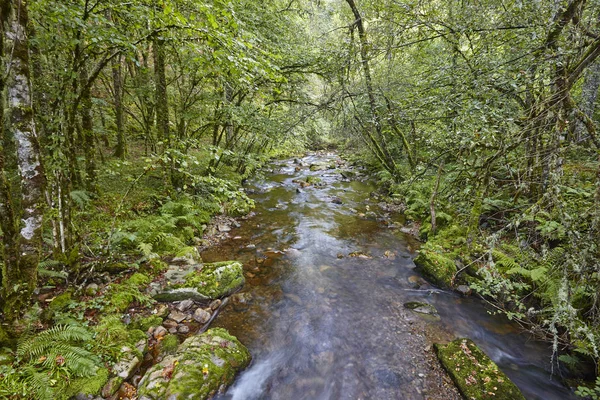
x: 322, y: 309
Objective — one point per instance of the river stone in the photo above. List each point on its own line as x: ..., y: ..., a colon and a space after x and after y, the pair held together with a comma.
x: 318, y: 166
x: 435, y: 267
x: 202, y: 316
x: 421, y: 308
x: 169, y: 295
x: 202, y: 366
x: 127, y: 364
x: 464, y: 290
x: 177, y: 316
x: 185, y: 305
x: 217, y: 280
x: 474, y: 373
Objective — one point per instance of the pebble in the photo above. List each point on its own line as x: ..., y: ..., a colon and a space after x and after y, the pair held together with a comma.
x: 185, y: 305
x: 159, y: 332
x: 177, y: 316
x: 172, y: 331
x: 216, y: 304
x: 183, y: 329
x: 169, y: 323
x: 202, y: 316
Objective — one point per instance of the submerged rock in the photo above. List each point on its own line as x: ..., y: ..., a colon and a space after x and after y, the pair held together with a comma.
x: 474, y: 373
x: 202, y: 366
x: 435, y: 267
x: 421, y: 308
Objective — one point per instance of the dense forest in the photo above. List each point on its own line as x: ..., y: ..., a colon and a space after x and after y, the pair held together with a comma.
x: 128, y: 126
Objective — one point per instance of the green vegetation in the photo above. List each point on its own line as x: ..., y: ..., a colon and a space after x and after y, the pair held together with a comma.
x: 475, y: 375
x: 200, y: 367
x: 128, y: 125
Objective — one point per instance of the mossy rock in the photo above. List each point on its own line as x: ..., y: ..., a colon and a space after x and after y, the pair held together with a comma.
x: 217, y: 280
x: 436, y: 268
x: 476, y: 376
x: 202, y: 366
x: 144, y: 323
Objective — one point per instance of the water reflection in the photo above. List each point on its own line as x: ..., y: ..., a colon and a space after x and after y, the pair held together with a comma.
x: 322, y: 311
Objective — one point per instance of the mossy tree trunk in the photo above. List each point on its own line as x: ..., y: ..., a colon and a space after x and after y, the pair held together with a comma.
x: 21, y: 251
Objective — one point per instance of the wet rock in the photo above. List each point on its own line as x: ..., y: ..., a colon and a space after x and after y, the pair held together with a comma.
x: 435, y: 267
x: 336, y: 200
x: 201, y: 316
x: 421, y: 308
x: 111, y: 386
x: 215, y: 304
x: 416, y: 281
x: 185, y: 305
x: 169, y: 323
x: 183, y: 329
x: 162, y: 310
x: 318, y: 166
x: 127, y: 364
x: 177, y: 316
x: 223, y: 228
x: 178, y: 294
x: 295, y: 298
x: 241, y: 301
x: 348, y: 174
x: 474, y: 373
x: 159, y: 332
x: 202, y: 366
x: 464, y: 290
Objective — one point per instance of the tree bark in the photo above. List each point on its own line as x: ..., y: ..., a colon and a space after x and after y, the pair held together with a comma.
x: 20, y: 274
x: 162, y: 104
x: 121, y: 146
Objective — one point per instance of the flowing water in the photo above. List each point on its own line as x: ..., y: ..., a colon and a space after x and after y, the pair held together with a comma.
x: 322, y: 309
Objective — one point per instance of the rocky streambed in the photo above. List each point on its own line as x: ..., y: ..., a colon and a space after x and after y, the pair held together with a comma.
x: 322, y: 302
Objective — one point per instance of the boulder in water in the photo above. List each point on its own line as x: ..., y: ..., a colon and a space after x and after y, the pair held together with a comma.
x: 476, y: 376
x: 435, y: 267
x: 202, y: 366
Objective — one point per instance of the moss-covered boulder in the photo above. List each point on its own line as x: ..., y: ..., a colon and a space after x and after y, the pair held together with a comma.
x: 202, y: 366
x: 436, y: 268
x: 474, y: 373
x: 216, y: 280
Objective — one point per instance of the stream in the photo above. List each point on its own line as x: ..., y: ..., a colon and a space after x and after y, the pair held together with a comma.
x: 322, y: 310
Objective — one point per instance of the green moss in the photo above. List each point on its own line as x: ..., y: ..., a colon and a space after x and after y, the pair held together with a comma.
x: 437, y: 268
x: 4, y: 338
x: 91, y: 385
x: 202, y: 365
x: 144, y: 323
x: 217, y: 280
x: 61, y: 301
x: 474, y: 373
x: 138, y: 279
x: 169, y: 344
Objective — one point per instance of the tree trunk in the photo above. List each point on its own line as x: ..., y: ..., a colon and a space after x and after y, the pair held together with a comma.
x: 87, y: 125
x: 162, y: 105
x: 20, y: 274
x: 389, y: 162
x: 121, y: 146
x: 589, y: 94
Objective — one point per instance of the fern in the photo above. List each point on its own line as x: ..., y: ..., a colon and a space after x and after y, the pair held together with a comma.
x: 81, y: 198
